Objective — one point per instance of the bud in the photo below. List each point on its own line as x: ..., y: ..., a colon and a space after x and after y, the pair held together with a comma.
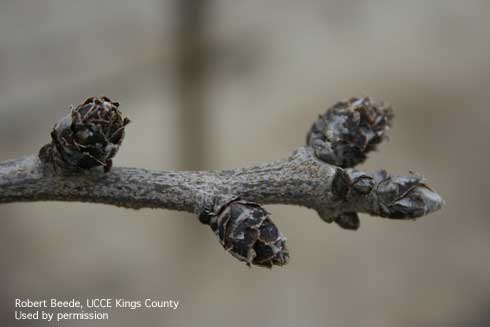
x: 348, y: 220
x: 247, y: 232
x: 348, y: 131
x: 89, y: 136
x: 402, y: 197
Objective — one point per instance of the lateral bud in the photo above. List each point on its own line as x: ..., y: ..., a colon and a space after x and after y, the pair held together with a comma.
x: 246, y: 231
x: 349, y: 130
x: 88, y: 137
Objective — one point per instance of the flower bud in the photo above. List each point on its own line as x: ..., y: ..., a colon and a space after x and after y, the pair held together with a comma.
x: 346, y: 132
x: 89, y: 136
x: 247, y: 232
x: 402, y: 197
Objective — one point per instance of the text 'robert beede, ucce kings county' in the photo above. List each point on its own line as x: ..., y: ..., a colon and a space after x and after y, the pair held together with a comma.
x: 97, y: 303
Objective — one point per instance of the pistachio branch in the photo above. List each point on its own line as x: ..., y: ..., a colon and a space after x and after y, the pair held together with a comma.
x: 317, y: 176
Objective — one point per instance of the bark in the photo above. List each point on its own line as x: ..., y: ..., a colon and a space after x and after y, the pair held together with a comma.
x: 301, y: 179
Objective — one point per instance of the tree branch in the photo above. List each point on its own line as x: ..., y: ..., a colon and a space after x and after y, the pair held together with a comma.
x: 73, y: 168
x: 302, y: 179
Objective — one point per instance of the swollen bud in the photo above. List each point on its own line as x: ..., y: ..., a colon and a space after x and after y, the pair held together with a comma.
x: 348, y: 131
x: 89, y: 136
x: 402, y: 197
x: 247, y: 232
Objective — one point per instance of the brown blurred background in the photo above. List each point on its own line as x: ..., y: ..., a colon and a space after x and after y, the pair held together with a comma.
x: 222, y: 84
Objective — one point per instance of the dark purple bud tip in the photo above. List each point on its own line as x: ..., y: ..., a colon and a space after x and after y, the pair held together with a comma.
x: 348, y: 131
x: 247, y: 232
x: 89, y: 136
x: 404, y: 197
x: 348, y: 220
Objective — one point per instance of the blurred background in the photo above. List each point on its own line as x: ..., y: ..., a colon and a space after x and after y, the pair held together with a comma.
x: 223, y: 84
